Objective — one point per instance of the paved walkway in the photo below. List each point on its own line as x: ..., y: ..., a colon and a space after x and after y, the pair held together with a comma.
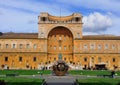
x: 60, y: 80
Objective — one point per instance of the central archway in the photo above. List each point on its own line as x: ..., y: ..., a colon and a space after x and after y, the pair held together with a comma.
x: 60, y: 44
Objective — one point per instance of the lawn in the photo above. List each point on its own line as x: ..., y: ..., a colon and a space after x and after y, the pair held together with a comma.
x: 21, y: 81
x: 92, y: 73
x: 24, y: 72
x: 99, y: 81
x: 73, y: 72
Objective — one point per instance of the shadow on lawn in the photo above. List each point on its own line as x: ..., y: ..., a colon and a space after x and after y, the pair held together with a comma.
x: 23, y: 83
x: 2, y: 82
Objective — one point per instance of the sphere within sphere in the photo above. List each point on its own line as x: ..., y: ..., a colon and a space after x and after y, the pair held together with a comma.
x: 60, y: 68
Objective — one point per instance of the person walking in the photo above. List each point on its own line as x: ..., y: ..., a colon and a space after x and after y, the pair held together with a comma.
x: 113, y: 74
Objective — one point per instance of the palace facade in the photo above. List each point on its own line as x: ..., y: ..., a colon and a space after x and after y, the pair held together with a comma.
x: 59, y: 37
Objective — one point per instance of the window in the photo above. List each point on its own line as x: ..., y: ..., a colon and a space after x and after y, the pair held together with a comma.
x: 49, y: 62
x: 113, y: 59
x: 106, y: 46
x: 99, y: 47
x: 92, y: 47
x: 20, y: 59
x: 54, y: 37
x: 54, y: 58
x: 64, y: 47
x: 60, y: 47
x: 28, y: 46
x: 21, y: 45
x: 54, y: 47
x: 13, y: 46
x: 6, y: 58
x: 77, y: 19
x: 92, y: 59
x: 35, y: 46
x: 99, y: 59
x: 85, y: 47
x: 85, y: 59
x: 64, y: 37
x: 65, y: 59
x: 113, y: 47
x: 7, y: 45
x: 78, y: 35
x: 34, y: 59
x: 60, y: 37
x: 43, y: 19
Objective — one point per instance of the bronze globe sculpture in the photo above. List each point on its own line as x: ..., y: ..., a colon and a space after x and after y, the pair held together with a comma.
x: 60, y: 68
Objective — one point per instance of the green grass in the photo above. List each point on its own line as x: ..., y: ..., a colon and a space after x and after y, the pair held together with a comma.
x: 24, y: 72
x: 73, y: 72
x: 92, y: 73
x: 22, y: 81
x: 99, y: 81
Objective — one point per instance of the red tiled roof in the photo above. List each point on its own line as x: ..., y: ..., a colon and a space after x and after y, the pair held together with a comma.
x: 18, y: 35
x: 35, y: 35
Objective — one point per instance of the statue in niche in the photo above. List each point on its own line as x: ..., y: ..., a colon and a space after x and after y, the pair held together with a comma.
x: 60, y: 56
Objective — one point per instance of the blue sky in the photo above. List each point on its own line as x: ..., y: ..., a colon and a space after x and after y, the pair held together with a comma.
x: 99, y: 16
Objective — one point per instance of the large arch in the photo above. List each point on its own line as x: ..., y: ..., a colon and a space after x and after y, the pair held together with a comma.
x: 60, y: 41
x: 57, y: 30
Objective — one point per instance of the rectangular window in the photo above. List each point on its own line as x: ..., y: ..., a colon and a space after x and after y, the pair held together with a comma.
x: 13, y: 46
x: 65, y: 59
x: 85, y: 59
x: 6, y: 59
x: 7, y: 45
x: 106, y: 46
x: 20, y: 59
x: 64, y: 37
x: 54, y: 47
x: 28, y: 46
x: 21, y: 45
x: 99, y: 47
x: 34, y: 59
x: 60, y: 47
x: 92, y: 47
x: 113, y: 47
x: 60, y: 37
x: 85, y: 47
x: 64, y: 47
x: 54, y: 37
x: 35, y: 46
x: 78, y: 35
x: 113, y: 59
x: 99, y: 59
x: 54, y: 58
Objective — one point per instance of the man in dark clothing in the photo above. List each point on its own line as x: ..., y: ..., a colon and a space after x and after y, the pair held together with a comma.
x: 112, y: 74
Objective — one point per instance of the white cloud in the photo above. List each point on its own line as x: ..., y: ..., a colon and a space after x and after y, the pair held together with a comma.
x: 90, y: 33
x: 96, y: 22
